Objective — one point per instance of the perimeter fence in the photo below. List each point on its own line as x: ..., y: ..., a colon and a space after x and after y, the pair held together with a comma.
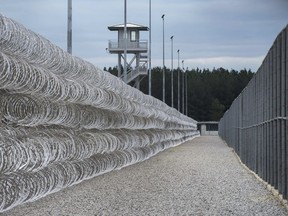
x: 62, y: 120
x: 256, y: 123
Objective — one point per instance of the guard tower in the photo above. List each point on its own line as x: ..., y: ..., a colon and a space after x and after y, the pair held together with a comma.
x: 138, y: 49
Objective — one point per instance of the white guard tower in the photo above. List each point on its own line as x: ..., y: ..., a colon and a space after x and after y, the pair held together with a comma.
x: 137, y: 67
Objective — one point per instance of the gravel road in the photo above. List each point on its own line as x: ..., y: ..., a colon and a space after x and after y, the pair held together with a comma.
x: 199, y: 177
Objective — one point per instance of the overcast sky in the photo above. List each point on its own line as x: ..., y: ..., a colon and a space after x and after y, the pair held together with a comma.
x: 209, y: 33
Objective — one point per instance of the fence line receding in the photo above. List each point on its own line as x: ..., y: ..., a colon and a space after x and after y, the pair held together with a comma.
x: 256, y: 123
x: 63, y: 120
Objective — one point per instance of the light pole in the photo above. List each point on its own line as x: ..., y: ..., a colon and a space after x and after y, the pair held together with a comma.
x: 178, y: 69
x: 150, y: 75
x: 186, y: 92
x: 125, y: 42
x: 163, y: 60
x: 69, y: 28
x: 172, y: 85
x: 183, y: 97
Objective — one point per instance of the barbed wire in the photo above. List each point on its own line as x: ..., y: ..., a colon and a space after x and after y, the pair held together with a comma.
x: 63, y: 120
x: 39, y: 55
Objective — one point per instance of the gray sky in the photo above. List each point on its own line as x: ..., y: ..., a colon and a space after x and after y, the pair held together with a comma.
x: 209, y: 33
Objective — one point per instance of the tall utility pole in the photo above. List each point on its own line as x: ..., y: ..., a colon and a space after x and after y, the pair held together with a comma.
x: 172, y: 85
x: 178, y: 69
x: 183, y: 96
x: 69, y: 28
x: 163, y: 60
x: 150, y: 75
x: 186, y: 92
x: 125, y: 43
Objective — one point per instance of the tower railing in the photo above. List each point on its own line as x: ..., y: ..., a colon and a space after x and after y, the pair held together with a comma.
x: 138, y: 71
x: 141, y: 45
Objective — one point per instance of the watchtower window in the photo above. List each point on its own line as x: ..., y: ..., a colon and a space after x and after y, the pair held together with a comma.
x: 133, y: 36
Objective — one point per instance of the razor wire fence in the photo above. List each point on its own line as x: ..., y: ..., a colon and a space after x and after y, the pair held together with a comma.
x: 256, y: 124
x: 63, y: 120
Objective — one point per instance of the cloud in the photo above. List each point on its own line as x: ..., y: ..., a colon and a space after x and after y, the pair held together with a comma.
x: 102, y: 62
x: 211, y: 30
x: 228, y: 62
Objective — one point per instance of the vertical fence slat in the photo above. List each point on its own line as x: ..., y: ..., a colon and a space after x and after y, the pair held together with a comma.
x: 270, y: 179
x: 274, y: 115
x: 266, y: 89
x: 283, y: 105
x: 278, y: 112
x: 285, y: 60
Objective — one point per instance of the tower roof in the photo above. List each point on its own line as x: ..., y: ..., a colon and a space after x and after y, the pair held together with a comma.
x: 129, y: 26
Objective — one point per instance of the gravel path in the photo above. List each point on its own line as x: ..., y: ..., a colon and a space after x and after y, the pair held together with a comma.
x: 200, y: 177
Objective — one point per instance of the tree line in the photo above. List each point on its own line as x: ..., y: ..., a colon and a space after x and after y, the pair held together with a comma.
x: 210, y: 92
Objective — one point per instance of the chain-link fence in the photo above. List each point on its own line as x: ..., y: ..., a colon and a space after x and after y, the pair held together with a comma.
x: 256, y: 123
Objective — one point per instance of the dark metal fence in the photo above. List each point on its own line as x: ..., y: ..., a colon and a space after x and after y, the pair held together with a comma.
x: 256, y: 124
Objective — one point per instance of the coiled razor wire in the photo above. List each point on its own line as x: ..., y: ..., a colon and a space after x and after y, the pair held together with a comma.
x: 63, y: 120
